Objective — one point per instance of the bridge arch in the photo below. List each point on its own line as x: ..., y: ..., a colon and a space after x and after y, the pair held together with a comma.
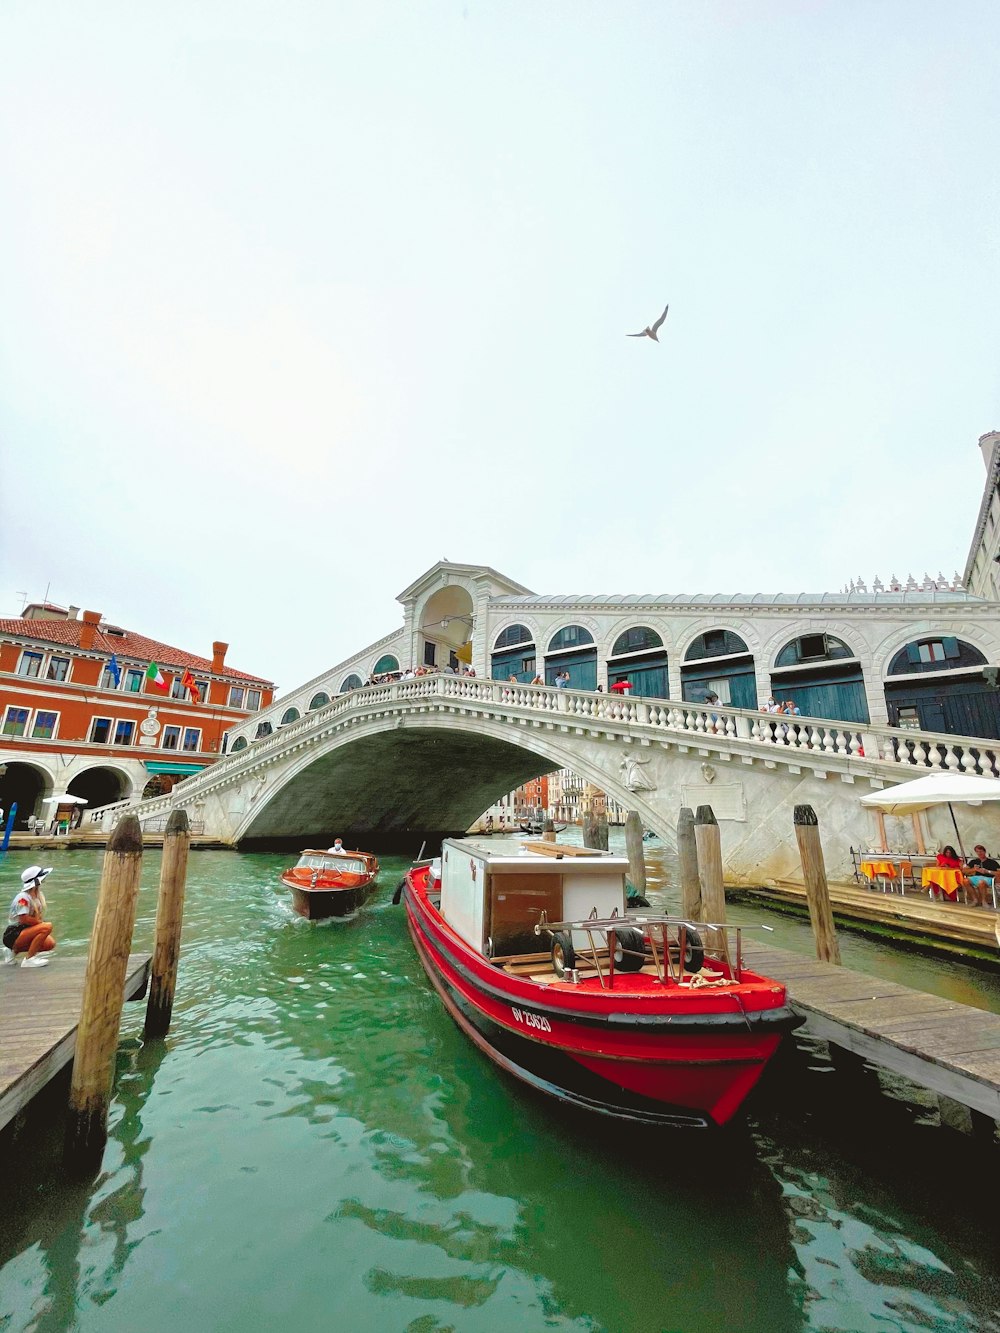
x: 572, y: 648
x: 445, y: 618
x: 639, y: 655
x: 719, y: 661
x: 384, y: 778
x: 318, y: 700
x: 514, y: 653
x: 823, y: 675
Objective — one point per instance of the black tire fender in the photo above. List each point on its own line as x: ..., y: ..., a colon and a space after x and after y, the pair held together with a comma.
x: 630, y: 949
x: 398, y: 895
x: 563, y: 953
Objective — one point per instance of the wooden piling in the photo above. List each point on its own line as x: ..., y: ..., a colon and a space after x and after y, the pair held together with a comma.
x: 549, y: 831
x: 687, y: 855
x: 169, y: 914
x: 595, y: 827
x: 713, y: 894
x: 814, y: 876
x: 103, y: 996
x: 633, y: 849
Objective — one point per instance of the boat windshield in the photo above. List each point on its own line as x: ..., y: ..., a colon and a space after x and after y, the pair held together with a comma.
x: 344, y: 865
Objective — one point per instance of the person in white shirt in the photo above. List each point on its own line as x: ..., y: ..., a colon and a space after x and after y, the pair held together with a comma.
x: 27, y: 931
x: 337, y: 848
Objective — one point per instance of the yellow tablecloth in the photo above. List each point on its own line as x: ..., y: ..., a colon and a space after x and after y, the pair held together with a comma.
x: 872, y: 868
x: 942, y: 878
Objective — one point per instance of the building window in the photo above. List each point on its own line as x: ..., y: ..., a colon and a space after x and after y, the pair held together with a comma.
x: 133, y: 680
x: 58, y: 668
x: 253, y: 700
x: 30, y: 664
x: 100, y: 730
x: 386, y: 663
x: 318, y: 700
x: 171, y: 738
x: 236, y: 696
x: 263, y: 729
x: 430, y: 653
x: 351, y: 683
x: 177, y: 690
x: 192, y: 738
x: 289, y: 715
x: 571, y: 636
x: 240, y: 743
x: 45, y: 726
x: 202, y: 687
x: 124, y: 731
x: 909, y: 719
x: 512, y: 636
x: 636, y: 640
x: 108, y: 680
x: 931, y: 652
x: 15, y: 721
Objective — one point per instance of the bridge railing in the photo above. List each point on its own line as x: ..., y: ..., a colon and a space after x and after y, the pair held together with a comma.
x: 715, y: 726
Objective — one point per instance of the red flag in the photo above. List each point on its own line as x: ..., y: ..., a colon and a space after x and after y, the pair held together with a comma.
x: 189, y: 683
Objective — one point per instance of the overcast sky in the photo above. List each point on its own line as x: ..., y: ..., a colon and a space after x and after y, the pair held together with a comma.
x: 298, y: 298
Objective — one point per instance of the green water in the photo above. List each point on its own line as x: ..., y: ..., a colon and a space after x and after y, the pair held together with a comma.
x: 315, y: 1146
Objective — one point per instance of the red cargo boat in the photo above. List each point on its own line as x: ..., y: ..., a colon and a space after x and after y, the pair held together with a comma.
x: 326, y: 884
x: 630, y: 1015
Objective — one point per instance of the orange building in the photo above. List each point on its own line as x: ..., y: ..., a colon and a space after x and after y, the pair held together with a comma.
x: 79, y: 713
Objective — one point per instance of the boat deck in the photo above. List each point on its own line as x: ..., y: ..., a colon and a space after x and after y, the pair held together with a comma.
x: 642, y: 983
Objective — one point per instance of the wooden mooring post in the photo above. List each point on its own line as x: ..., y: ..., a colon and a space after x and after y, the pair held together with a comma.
x: 634, y: 852
x: 817, y: 890
x: 713, y: 894
x: 169, y: 915
x: 687, y: 855
x: 595, y: 827
x: 103, y: 996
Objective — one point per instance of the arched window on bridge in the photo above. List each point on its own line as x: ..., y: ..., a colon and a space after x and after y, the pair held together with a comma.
x: 639, y: 657
x: 318, y: 700
x: 719, y: 662
x: 263, y: 729
x: 572, y: 649
x: 351, y: 683
x: 385, y: 664
x: 513, y: 654
x: 932, y: 688
x: 289, y: 715
x: 240, y: 743
x: 823, y: 676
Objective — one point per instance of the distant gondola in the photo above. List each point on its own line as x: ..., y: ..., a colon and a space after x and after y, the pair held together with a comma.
x: 535, y: 828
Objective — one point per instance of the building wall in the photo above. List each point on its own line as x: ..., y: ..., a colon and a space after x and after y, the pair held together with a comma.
x: 982, y: 570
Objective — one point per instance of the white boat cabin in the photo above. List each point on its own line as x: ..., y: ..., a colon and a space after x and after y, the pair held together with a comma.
x: 493, y: 893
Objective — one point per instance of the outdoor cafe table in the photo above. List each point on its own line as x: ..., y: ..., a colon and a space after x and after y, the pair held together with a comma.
x: 943, y: 878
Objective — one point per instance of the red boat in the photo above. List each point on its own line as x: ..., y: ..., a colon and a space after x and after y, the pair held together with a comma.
x: 629, y: 1015
x: 326, y: 884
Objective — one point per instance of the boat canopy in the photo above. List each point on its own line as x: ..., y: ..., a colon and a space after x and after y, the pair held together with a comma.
x: 342, y: 865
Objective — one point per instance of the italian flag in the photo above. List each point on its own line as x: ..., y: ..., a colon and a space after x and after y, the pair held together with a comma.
x: 156, y: 677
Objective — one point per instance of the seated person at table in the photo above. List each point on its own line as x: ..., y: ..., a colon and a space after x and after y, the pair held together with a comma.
x: 981, y: 884
x: 948, y: 858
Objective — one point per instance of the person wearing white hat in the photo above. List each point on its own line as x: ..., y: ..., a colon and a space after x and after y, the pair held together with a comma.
x: 27, y: 931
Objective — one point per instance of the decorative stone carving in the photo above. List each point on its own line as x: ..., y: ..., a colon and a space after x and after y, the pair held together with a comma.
x: 633, y: 777
x: 708, y: 772
x: 150, y: 729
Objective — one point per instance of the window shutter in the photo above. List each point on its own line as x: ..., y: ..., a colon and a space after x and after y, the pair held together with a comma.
x: 951, y: 648
x: 913, y: 652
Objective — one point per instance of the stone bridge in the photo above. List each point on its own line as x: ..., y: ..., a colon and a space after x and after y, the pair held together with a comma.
x: 419, y: 758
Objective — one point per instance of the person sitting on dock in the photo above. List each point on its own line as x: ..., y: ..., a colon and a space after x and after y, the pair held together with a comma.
x: 980, y: 880
x: 28, y: 932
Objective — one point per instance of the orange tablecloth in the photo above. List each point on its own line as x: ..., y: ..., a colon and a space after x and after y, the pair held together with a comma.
x: 872, y: 868
x: 942, y: 878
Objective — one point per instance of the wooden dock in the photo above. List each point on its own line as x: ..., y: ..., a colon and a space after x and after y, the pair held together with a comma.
x: 949, y: 927
x: 947, y: 1047
x: 39, y: 1014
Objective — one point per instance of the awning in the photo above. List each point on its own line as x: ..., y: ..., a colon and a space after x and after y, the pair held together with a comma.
x: 156, y: 766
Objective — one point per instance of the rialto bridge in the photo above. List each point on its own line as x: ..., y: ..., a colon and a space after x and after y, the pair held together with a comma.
x: 423, y: 757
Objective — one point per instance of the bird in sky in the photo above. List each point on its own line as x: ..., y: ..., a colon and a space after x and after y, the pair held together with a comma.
x: 650, y: 332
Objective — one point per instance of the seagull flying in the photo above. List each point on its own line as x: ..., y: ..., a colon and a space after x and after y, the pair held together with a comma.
x: 650, y: 332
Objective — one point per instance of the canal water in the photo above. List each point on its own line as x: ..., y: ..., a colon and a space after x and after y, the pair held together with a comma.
x: 316, y: 1146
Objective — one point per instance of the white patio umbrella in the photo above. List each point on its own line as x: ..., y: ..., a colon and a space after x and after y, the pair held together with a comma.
x: 65, y: 800
x: 908, y: 798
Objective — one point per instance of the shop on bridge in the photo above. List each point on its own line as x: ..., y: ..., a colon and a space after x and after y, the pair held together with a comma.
x: 639, y: 657
x: 937, y: 684
x: 572, y: 649
x: 823, y: 676
x: 513, y: 654
x: 719, y: 662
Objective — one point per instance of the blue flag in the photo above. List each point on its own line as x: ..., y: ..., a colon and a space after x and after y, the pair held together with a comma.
x: 115, y: 670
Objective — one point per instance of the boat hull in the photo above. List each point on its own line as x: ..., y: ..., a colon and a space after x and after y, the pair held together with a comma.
x: 319, y: 904
x: 687, y: 1068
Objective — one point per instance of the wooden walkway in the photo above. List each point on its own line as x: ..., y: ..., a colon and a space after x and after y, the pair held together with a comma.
x: 950, y: 1048
x: 39, y: 1014
x: 952, y: 926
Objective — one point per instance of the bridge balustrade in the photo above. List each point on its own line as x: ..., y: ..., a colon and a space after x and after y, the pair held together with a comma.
x: 715, y: 726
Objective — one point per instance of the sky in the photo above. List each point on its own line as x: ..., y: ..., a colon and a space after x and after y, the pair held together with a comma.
x: 299, y: 298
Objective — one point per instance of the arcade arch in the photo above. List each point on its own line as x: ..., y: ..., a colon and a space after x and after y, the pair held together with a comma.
x: 719, y: 662
x: 572, y: 649
x: 936, y: 683
x: 100, y: 786
x: 26, y: 785
x: 822, y: 675
x: 638, y: 656
x: 514, y: 654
